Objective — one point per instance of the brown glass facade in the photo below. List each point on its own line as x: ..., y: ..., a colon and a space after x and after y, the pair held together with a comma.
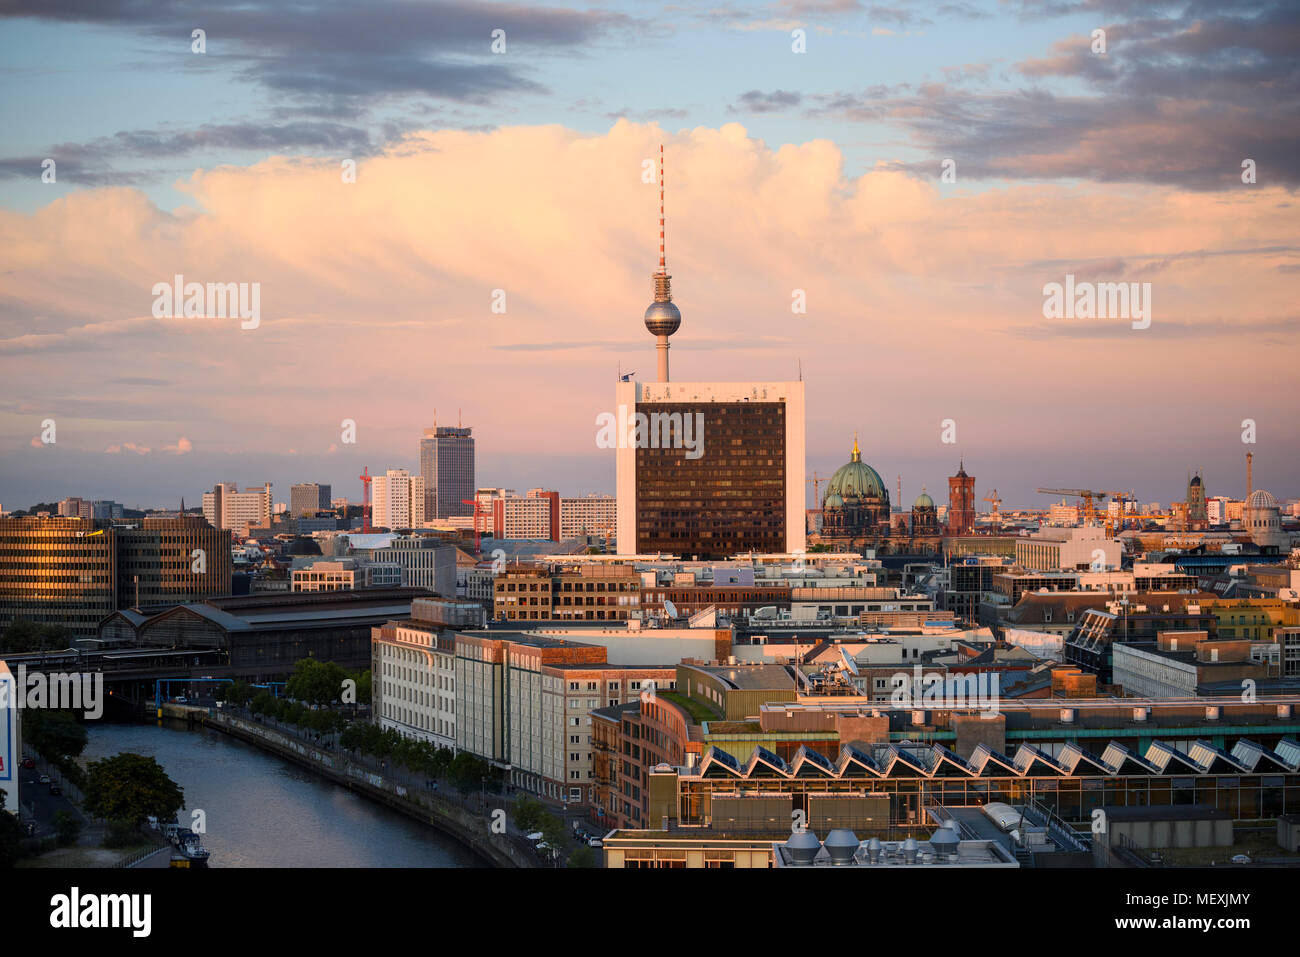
x: 74, y: 572
x: 729, y: 500
x: 57, y: 571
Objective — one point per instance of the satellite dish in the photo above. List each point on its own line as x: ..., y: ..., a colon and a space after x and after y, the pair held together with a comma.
x: 670, y: 609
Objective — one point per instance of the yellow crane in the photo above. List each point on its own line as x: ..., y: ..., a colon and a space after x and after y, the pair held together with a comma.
x: 995, y: 500
x: 1087, y: 494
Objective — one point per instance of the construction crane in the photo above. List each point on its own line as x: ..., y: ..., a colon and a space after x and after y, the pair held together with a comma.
x: 816, y: 481
x: 474, y: 502
x: 995, y: 500
x: 366, y: 479
x: 1087, y: 494
x: 1120, y: 522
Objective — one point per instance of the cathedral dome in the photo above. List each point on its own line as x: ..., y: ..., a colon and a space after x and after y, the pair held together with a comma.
x: 833, y: 501
x: 856, y: 479
x: 923, y: 501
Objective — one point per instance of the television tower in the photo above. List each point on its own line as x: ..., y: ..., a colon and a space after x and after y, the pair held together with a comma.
x: 662, y: 318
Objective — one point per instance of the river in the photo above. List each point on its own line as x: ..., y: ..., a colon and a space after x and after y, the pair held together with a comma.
x: 263, y: 812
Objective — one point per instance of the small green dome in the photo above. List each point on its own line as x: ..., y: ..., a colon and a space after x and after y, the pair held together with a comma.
x: 923, y: 501
x: 833, y: 501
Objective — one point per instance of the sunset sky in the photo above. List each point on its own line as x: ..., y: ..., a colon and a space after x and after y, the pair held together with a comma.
x: 522, y: 171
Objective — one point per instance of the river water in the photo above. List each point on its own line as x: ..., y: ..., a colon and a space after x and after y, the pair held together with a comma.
x: 264, y: 812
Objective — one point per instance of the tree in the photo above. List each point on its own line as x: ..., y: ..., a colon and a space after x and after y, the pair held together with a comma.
x: 317, y: 682
x: 528, y: 813
x: 553, y: 832
x: 56, y: 736
x: 11, y: 836
x: 466, y: 772
x: 584, y: 856
x: 131, y: 787
x: 237, y: 692
x: 23, y: 635
x: 67, y: 826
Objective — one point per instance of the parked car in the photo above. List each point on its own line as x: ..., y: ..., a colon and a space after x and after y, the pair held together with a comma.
x: 44, y: 779
x: 595, y: 842
x: 181, y: 699
x: 29, y: 762
x: 55, y: 790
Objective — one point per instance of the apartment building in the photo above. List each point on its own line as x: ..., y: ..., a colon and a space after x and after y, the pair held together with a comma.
x: 535, y: 515
x: 588, y: 515
x: 413, y: 669
x: 307, y: 498
x: 525, y: 702
x: 397, y: 500
x: 228, y: 508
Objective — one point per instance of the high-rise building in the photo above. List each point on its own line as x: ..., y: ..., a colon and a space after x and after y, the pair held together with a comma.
x: 74, y: 572
x: 172, y: 560
x: 308, y: 498
x: 535, y: 515
x: 706, y: 468
x: 710, y: 469
x: 76, y: 507
x: 588, y: 515
x: 226, y: 507
x: 106, y: 509
x: 397, y: 500
x: 447, y: 467
x: 961, y: 502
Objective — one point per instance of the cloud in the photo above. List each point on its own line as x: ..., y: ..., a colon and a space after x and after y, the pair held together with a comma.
x: 756, y: 101
x: 337, y: 56
x: 908, y: 283
x: 182, y: 447
x: 1174, y: 101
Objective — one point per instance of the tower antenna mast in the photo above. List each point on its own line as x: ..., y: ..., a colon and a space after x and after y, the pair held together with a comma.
x: 662, y: 318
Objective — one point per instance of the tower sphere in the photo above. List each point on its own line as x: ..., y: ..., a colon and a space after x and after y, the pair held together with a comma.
x: 662, y: 318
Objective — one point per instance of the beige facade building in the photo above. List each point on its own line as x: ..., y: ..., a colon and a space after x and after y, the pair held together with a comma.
x: 228, y: 508
x: 397, y: 500
x: 524, y: 702
x: 1053, y: 549
x: 588, y: 515
x: 413, y: 669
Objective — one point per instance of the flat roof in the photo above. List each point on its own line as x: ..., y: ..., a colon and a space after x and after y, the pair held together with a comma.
x: 1185, y: 812
x: 745, y: 677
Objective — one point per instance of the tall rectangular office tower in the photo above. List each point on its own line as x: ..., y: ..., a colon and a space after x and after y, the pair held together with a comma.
x: 447, y: 466
x: 735, y: 485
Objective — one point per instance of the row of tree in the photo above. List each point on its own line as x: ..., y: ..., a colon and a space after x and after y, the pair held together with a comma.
x: 22, y: 636
x: 532, y: 816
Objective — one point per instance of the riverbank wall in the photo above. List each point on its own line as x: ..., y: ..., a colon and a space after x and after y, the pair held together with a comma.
x: 459, y: 823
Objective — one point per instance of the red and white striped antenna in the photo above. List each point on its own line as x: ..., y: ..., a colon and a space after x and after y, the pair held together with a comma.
x: 662, y: 266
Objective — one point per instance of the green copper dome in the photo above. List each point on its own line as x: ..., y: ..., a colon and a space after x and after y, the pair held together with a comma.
x: 857, y: 479
x: 923, y: 500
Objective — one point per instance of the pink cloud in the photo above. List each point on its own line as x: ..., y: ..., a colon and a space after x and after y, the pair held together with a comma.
x: 908, y: 282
